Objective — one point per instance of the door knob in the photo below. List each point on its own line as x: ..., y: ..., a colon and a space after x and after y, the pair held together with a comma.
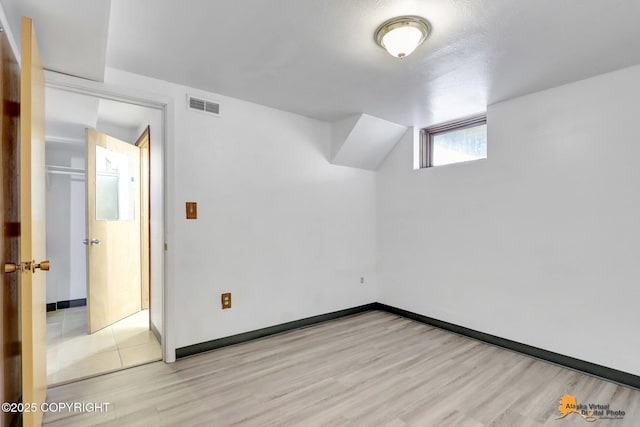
x: 43, y: 265
x: 93, y: 241
x: 11, y: 267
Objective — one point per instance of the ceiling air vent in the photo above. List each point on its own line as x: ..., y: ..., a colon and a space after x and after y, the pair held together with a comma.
x: 202, y: 105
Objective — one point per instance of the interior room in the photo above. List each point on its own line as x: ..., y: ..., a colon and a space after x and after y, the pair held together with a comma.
x: 358, y: 212
x: 73, y: 350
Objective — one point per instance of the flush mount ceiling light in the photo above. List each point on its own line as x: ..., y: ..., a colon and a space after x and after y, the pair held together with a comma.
x: 402, y: 35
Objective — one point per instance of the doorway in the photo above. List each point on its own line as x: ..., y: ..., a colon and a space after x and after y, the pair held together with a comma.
x: 75, y: 352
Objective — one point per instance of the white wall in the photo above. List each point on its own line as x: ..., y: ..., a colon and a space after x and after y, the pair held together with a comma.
x: 65, y: 226
x: 281, y: 228
x: 539, y: 243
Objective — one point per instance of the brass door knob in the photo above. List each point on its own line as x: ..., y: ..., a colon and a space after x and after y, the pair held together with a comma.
x: 11, y: 267
x: 43, y: 265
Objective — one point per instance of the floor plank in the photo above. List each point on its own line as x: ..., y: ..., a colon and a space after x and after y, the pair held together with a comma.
x: 371, y: 369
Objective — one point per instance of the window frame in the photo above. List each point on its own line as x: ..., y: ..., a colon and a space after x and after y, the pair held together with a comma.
x: 427, y: 134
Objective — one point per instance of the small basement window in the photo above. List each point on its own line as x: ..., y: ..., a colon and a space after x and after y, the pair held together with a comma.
x: 454, y: 142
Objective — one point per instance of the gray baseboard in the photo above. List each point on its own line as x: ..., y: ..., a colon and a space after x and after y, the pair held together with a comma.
x: 53, y: 306
x: 271, y: 330
x: 604, y: 372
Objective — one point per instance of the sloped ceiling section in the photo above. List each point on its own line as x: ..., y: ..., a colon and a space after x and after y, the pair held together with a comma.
x: 68, y: 115
x: 126, y: 121
x: 72, y: 34
x: 363, y: 141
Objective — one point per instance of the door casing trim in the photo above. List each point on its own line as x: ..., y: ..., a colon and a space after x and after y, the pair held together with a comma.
x: 165, y: 105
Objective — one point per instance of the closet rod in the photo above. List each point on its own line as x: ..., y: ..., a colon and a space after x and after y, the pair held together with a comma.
x: 64, y: 170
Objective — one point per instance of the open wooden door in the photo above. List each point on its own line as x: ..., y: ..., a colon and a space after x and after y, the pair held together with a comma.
x: 32, y: 228
x: 10, y: 371
x: 113, y: 227
x: 143, y: 143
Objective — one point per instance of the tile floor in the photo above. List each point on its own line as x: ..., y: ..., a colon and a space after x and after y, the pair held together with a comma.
x: 73, y: 354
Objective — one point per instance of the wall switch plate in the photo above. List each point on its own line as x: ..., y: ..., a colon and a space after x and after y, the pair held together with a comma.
x: 225, y: 300
x: 192, y: 210
x: 362, y: 280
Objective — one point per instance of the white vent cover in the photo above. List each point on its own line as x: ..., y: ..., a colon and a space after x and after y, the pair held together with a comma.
x: 203, y: 105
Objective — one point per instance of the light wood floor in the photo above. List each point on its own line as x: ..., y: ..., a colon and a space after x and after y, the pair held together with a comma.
x: 372, y: 369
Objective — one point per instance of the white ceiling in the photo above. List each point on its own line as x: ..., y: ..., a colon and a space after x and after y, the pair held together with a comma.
x: 127, y: 116
x: 72, y: 34
x: 70, y: 114
x: 318, y: 57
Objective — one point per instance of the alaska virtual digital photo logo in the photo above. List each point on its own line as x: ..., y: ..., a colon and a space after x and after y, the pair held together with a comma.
x: 590, y: 412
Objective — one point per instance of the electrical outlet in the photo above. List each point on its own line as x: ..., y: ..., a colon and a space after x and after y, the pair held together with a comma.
x: 362, y: 280
x: 225, y: 300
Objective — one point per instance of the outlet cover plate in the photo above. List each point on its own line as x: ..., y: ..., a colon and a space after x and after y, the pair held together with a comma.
x: 225, y: 300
